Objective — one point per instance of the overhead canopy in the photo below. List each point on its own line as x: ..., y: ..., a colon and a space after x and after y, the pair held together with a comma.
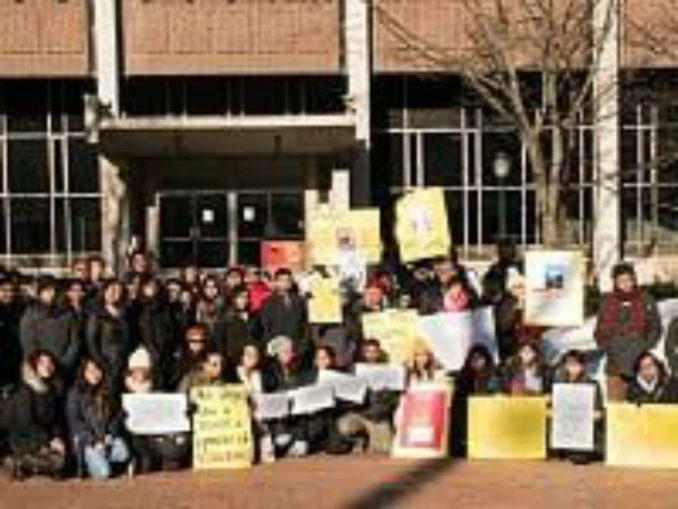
x: 227, y: 136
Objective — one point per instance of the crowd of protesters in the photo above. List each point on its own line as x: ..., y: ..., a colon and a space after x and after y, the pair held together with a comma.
x: 70, y: 348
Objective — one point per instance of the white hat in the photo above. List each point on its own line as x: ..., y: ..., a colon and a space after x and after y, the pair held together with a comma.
x: 140, y: 359
x: 277, y: 344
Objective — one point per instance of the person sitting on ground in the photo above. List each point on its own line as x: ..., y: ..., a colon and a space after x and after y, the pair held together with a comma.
x: 191, y: 353
x: 164, y: 452
x: 525, y: 374
x: 628, y: 325
x: 36, y: 427
x: 372, y: 421
x: 651, y: 382
x: 94, y: 423
x: 212, y: 372
x: 422, y: 366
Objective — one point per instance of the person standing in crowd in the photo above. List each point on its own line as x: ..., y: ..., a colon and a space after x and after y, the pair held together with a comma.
x: 496, y: 277
x: 651, y: 383
x: 165, y: 452
x: 525, y: 374
x: 455, y: 296
x: 44, y: 327
x: 10, y: 345
x: 285, y: 314
x: 139, y: 265
x: 36, y: 428
x: 628, y: 325
x: 234, y: 278
x: 94, y: 423
x: 446, y: 269
x: 258, y: 288
x: 209, y: 307
x: 156, y: 331
x: 373, y: 420
x: 108, y: 336
x: 190, y: 354
x: 192, y: 279
x: 235, y: 327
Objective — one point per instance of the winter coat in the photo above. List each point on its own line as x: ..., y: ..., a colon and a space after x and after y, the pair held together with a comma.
x: 56, y: 331
x: 108, y: 342
x: 617, y: 336
x: 671, y: 346
x: 232, y: 332
x: 156, y: 334
x: 36, y: 417
x: 10, y: 347
x: 285, y: 316
x: 664, y: 391
x: 91, y: 416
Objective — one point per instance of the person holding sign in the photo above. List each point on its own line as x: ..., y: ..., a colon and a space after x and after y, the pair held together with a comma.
x: 651, y: 383
x: 445, y: 290
x: 628, y: 324
x: 572, y: 373
x: 374, y: 419
x: 525, y: 374
x: 94, y: 423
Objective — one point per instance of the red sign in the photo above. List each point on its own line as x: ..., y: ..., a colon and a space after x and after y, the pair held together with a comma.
x: 282, y: 255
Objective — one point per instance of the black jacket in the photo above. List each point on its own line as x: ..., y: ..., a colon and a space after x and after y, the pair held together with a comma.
x: 281, y: 316
x: 10, y: 347
x: 36, y: 417
x: 665, y: 391
x: 53, y: 330
x: 91, y: 415
x: 231, y: 333
x: 156, y: 334
x: 108, y: 342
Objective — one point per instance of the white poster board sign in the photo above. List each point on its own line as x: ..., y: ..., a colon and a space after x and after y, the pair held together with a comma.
x: 271, y: 406
x: 156, y: 413
x: 346, y: 387
x: 382, y: 376
x: 311, y: 399
x: 573, y: 417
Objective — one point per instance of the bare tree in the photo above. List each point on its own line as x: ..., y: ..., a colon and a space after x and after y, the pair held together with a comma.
x: 534, y: 62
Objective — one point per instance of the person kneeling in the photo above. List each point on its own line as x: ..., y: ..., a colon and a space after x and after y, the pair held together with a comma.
x: 94, y: 422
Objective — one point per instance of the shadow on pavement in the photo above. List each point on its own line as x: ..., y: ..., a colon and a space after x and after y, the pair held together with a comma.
x: 405, y: 485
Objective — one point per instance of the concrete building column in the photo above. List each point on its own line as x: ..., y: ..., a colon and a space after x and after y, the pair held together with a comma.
x: 607, y: 235
x: 106, y: 55
x: 358, y: 60
x: 114, y: 214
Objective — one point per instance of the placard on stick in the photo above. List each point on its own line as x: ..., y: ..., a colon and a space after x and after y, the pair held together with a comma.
x: 396, y: 331
x: 422, y: 227
x: 222, y: 428
x: 502, y: 427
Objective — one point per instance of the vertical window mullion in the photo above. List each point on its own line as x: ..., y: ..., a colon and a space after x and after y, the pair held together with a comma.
x: 479, y: 180
x: 640, y: 159
x: 465, y: 180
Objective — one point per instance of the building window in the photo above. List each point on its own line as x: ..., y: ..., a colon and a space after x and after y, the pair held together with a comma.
x: 49, y: 184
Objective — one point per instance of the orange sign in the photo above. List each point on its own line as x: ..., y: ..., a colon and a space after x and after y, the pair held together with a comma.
x: 281, y: 254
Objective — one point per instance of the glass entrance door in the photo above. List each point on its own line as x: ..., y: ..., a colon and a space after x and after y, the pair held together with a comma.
x: 194, y: 228
x: 215, y: 229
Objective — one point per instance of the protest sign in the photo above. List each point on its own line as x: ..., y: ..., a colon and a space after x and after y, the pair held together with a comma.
x: 507, y: 427
x: 451, y: 335
x: 422, y: 228
x: 554, y: 288
x: 311, y: 399
x: 272, y: 406
x: 382, y: 376
x: 222, y: 428
x: 423, y: 424
x: 573, y: 417
x: 324, y: 304
x: 642, y: 436
x: 346, y: 387
x: 396, y: 331
x: 282, y: 254
x: 156, y: 413
x: 331, y: 231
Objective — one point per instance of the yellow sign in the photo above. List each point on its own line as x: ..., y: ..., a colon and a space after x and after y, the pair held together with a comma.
x: 396, y: 330
x: 645, y: 436
x: 422, y: 227
x: 330, y: 231
x: 324, y: 306
x: 222, y: 428
x: 507, y: 428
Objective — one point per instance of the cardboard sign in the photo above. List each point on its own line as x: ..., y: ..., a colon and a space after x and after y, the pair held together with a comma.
x: 346, y: 387
x: 423, y: 424
x: 311, y: 399
x: 282, y: 255
x: 554, y: 288
x: 396, y: 331
x: 507, y: 428
x: 324, y: 303
x: 422, y: 228
x: 451, y: 335
x: 330, y: 231
x: 573, y: 418
x: 222, y: 428
x: 156, y: 413
x: 642, y: 436
x: 380, y: 377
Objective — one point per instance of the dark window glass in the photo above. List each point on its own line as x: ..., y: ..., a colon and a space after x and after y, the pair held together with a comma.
x: 443, y: 160
x: 387, y: 159
x: 27, y: 106
x: 3, y: 227
x: 206, y: 96
x: 287, y: 215
x: 249, y: 253
x: 212, y: 216
x: 212, y: 254
x: 83, y: 167
x: 86, y: 224
x: 176, y: 216
x: 506, y: 142
x: 28, y: 169
x: 58, y: 166
x: 176, y: 254
x: 30, y: 223
x: 252, y: 216
x: 61, y: 225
